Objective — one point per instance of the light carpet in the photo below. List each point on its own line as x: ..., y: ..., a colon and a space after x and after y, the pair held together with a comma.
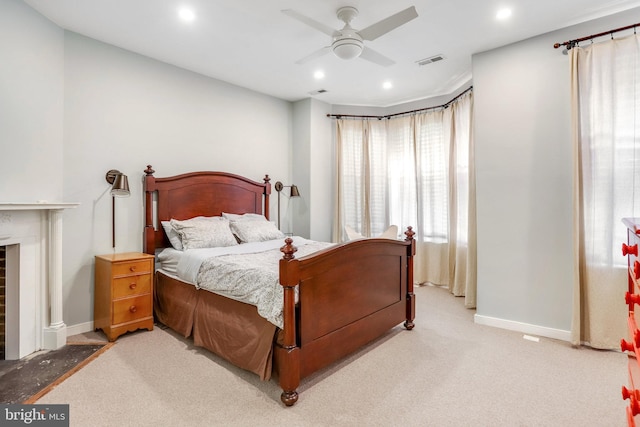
x: 448, y: 371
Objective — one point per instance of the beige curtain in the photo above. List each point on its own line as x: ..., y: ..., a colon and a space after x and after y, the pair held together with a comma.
x: 605, y: 101
x: 414, y: 170
x: 420, y: 190
x: 462, y: 213
x: 361, y: 196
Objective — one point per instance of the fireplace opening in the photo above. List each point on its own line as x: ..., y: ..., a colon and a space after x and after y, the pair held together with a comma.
x: 3, y: 287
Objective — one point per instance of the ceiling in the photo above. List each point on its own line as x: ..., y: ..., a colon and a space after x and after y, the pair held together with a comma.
x: 252, y: 44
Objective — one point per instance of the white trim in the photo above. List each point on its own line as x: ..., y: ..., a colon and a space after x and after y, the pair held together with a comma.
x: 54, y: 337
x: 80, y: 328
x: 32, y: 233
x: 20, y: 206
x: 526, y: 328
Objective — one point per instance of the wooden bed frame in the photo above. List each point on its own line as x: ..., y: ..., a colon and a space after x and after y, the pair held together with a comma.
x: 348, y: 295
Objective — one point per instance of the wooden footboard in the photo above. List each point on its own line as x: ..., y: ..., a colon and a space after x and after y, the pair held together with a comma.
x: 349, y: 295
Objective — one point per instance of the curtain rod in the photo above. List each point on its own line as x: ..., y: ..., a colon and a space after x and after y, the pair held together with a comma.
x: 339, y: 116
x: 573, y: 43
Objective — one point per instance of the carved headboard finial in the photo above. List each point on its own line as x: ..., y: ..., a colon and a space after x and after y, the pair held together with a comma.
x: 149, y: 170
x: 288, y: 249
x: 409, y: 233
x: 266, y: 179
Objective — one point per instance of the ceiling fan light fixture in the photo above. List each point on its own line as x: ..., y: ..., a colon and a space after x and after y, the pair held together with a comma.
x: 347, y: 48
x: 348, y: 43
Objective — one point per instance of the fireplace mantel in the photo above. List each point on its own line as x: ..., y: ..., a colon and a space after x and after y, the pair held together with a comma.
x: 26, y: 206
x: 32, y: 233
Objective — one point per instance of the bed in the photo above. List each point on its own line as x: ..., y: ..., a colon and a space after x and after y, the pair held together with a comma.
x: 335, y: 300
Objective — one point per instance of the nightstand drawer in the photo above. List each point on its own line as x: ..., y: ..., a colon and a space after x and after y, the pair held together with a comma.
x: 129, y: 309
x: 131, y: 285
x: 134, y: 267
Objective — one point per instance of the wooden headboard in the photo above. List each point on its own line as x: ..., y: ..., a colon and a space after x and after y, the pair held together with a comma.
x: 198, y: 194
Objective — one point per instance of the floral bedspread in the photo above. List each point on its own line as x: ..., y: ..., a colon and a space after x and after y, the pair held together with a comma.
x: 251, y: 278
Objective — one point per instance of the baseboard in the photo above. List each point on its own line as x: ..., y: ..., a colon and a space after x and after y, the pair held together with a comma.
x: 525, y: 328
x: 80, y: 328
x: 511, y: 325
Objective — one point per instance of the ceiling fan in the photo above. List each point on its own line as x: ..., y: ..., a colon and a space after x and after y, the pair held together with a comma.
x: 348, y: 43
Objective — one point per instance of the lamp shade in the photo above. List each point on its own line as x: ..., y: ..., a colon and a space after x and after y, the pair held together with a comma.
x: 120, y: 186
x: 294, y: 191
x: 119, y: 183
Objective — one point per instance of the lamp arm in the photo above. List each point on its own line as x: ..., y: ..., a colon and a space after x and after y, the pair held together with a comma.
x: 294, y: 193
x: 113, y: 221
x: 278, y: 209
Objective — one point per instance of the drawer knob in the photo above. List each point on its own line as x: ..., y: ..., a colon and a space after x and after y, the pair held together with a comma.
x: 133, y: 309
x: 629, y: 250
x: 632, y: 395
x: 626, y: 345
x: 132, y: 268
x: 133, y: 286
x: 630, y: 298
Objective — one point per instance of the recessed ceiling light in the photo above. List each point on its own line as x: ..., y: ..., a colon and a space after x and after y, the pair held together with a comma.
x: 503, y: 14
x: 186, y: 14
x: 387, y: 85
x: 319, y: 74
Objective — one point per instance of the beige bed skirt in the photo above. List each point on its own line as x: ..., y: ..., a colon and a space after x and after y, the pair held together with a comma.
x: 231, y: 329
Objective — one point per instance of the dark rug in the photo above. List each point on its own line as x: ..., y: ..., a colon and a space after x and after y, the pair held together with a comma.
x: 28, y: 379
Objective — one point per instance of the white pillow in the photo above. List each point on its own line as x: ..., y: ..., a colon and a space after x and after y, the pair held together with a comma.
x: 255, y: 230
x: 243, y: 217
x: 389, y: 233
x: 172, y: 234
x: 209, y: 232
x: 352, y: 234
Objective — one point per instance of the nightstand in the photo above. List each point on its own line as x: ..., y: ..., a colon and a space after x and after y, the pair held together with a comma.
x: 123, y: 296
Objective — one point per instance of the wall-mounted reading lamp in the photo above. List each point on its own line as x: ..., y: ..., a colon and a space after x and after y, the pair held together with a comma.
x: 119, y: 188
x: 294, y: 193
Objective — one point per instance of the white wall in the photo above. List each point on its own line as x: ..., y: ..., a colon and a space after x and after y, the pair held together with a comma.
x: 124, y: 111
x: 31, y: 105
x: 313, y: 170
x: 524, y: 181
x: 298, y: 209
x: 72, y: 108
x: 321, y: 172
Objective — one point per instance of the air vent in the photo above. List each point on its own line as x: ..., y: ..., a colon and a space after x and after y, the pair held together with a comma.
x: 429, y: 60
x: 317, y: 92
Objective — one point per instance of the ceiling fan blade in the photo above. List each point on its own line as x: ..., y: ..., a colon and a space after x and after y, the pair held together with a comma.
x: 375, y: 57
x: 317, y: 54
x: 380, y: 28
x: 310, y: 22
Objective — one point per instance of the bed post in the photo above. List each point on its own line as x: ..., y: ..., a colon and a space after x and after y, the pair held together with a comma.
x: 411, y: 299
x: 267, y: 191
x: 288, y: 353
x: 149, y: 231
